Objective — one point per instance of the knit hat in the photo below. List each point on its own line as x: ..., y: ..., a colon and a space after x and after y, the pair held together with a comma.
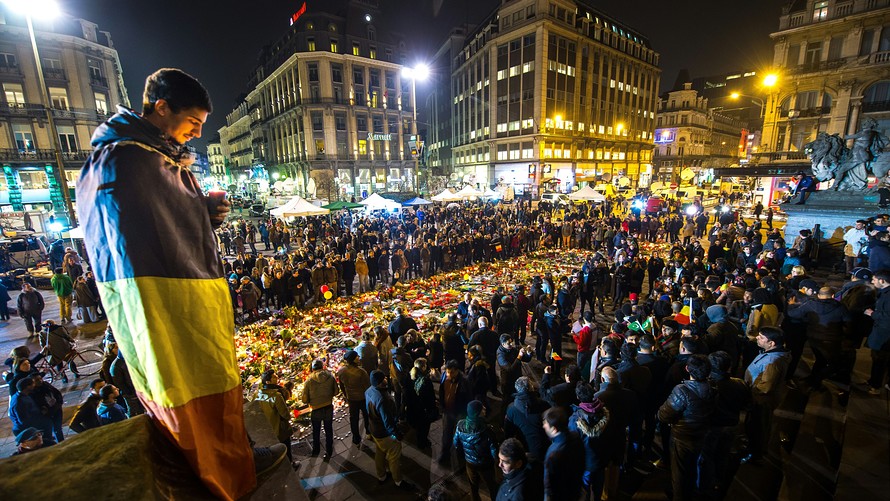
x: 716, y: 313
x: 350, y: 356
x: 809, y: 284
x: 377, y: 378
x: 26, y: 434
x: 862, y: 273
x: 474, y: 409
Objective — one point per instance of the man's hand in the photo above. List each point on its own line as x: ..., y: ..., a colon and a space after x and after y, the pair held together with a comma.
x: 548, y: 369
x: 219, y: 210
x: 868, y: 311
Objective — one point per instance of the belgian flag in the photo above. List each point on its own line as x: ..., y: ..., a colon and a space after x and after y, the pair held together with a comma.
x: 152, y: 248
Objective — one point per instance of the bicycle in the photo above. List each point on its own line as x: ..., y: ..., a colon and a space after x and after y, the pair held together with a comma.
x: 87, y: 362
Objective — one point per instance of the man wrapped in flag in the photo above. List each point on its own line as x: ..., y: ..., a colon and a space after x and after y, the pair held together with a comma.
x: 149, y: 235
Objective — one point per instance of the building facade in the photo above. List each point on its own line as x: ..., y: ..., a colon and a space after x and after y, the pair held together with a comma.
x: 833, y: 62
x: 691, y: 135
x: 440, y: 104
x: 85, y: 83
x: 547, y: 94
x: 328, y: 109
x: 217, y: 161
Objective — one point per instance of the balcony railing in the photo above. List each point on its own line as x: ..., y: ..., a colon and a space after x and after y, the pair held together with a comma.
x: 22, y: 110
x: 55, y: 74
x: 98, y: 80
x: 882, y: 57
x: 10, y: 69
x: 809, y: 112
x: 15, y: 155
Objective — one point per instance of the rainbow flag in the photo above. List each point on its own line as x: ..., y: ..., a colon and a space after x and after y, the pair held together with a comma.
x: 685, y: 315
x: 151, y: 245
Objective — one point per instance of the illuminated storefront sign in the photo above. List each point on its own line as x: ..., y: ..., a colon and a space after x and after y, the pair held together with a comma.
x: 296, y: 15
x: 379, y: 137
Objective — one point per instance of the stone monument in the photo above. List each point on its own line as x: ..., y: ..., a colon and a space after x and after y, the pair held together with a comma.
x: 831, y: 212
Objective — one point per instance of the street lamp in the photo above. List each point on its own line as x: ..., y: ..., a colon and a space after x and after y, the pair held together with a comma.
x: 755, y: 100
x: 419, y: 72
x: 48, y: 9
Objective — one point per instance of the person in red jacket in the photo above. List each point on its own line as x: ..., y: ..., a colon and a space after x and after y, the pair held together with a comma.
x: 586, y: 339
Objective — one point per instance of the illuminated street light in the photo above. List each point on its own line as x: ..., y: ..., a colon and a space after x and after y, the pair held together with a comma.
x: 275, y: 176
x: 770, y: 80
x: 46, y: 9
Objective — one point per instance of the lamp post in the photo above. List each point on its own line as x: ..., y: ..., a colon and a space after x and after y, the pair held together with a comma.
x: 418, y: 72
x: 47, y: 7
x: 754, y: 100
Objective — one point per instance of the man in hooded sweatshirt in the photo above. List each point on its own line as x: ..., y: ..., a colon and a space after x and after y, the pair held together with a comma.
x: 319, y: 391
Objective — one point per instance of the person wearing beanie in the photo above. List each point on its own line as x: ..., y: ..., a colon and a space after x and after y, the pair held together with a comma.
x: 319, y: 391
x: 387, y: 437
x: 354, y: 381
x: 28, y: 440
x: 273, y: 401
x: 589, y: 420
x: 475, y: 439
x: 723, y: 333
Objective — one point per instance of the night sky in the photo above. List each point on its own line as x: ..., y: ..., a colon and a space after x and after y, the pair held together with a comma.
x: 218, y: 41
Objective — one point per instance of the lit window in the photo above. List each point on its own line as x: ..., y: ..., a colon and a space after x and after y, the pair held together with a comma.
x: 569, y: 125
x: 514, y: 71
x: 820, y: 10
x: 514, y: 154
x: 502, y: 127
x: 373, y: 53
x: 580, y: 126
x: 529, y: 66
x: 567, y: 153
x: 502, y: 155
x: 548, y: 153
x: 514, y: 125
x: 334, y: 46
x: 310, y: 44
x: 355, y: 49
x: 502, y: 74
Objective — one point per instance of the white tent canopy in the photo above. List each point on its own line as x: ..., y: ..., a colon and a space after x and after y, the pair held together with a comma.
x: 446, y: 196
x: 376, y: 202
x: 493, y: 195
x: 297, y: 207
x: 587, y: 193
x: 468, y: 192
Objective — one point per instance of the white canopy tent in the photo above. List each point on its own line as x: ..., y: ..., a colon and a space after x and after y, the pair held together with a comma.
x: 376, y: 202
x: 297, y: 207
x: 468, y: 192
x: 492, y: 195
x: 446, y: 196
x: 587, y: 193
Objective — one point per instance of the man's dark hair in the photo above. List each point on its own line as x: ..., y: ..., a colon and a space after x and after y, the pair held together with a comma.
x: 179, y: 89
x: 573, y: 372
x: 720, y: 361
x: 402, y: 341
x: 699, y: 367
x: 628, y: 351
x: 584, y: 392
x: 24, y: 384
x: 773, y: 334
x: 513, y: 450
x: 106, y: 391
x: 647, y: 341
x: 557, y: 418
x: 58, y: 271
x: 96, y: 382
x: 452, y: 364
x: 882, y: 275
x: 690, y: 344
x: 439, y: 492
x: 610, y: 349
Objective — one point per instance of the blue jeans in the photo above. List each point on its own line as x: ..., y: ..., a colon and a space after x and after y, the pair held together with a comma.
x: 319, y: 417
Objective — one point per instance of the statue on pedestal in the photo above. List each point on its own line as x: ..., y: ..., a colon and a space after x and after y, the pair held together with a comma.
x: 849, y: 167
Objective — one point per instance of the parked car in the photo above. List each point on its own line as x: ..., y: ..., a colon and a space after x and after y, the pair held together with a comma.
x: 257, y: 210
x: 556, y: 199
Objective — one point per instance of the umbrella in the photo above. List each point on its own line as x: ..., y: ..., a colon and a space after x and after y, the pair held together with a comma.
x: 417, y: 201
x: 453, y: 205
x: 340, y: 205
x: 296, y: 207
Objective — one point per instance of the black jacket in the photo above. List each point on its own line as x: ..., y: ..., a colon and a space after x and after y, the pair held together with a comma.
x: 400, y: 326
x: 624, y: 410
x: 489, y: 341
x: 826, y: 319
x: 382, y: 414
x: 689, y: 409
x: 476, y: 440
x: 506, y: 319
x: 733, y: 395
x: 523, y: 421
x: 561, y: 395
x: 521, y: 485
x: 563, y: 471
x: 635, y: 377
x: 591, y: 427
x: 461, y: 398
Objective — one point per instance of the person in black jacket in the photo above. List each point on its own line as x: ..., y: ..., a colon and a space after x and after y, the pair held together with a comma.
x: 733, y: 395
x: 688, y: 410
x: 506, y: 317
x: 510, y: 359
x: 539, y: 327
x: 563, y: 471
x: 520, y: 482
x: 590, y: 419
x: 401, y: 325
x: 383, y: 420
x: 85, y: 418
x: 563, y: 394
x: 476, y: 440
x: 488, y: 341
x: 454, y: 395
x: 658, y: 367
x: 624, y: 414
x: 828, y: 323
x: 523, y: 420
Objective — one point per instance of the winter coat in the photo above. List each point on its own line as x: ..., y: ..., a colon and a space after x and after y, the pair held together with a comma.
x: 766, y: 376
x: 274, y: 406
x: 523, y: 421
x: 521, y: 485
x: 476, y: 440
x: 319, y: 389
x: 86, y: 418
x: 689, y: 409
x: 25, y: 413
x: 462, y: 396
x: 354, y: 381
x: 827, y: 320
x: 62, y: 284
x: 110, y: 413
x: 879, y: 339
x: 765, y: 315
x: 563, y: 471
x: 84, y: 296
x: 30, y: 303
x: 506, y: 319
x: 421, y: 404
x: 733, y: 396
x: 382, y: 414
x: 58, y: 341
x: 624, y: 410
x: 878, y: 255
x: 591, y: 424
x: 367, y: 352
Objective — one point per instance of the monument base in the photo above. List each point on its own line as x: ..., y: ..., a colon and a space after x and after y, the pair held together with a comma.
x: 829, y: 214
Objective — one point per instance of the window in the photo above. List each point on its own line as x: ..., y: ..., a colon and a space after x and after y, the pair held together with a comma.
x: 361, y: 123
x: 820, y: 10
x: 337, y: 73
x: 319, y: 146
x: 335, y: 46
x: 530, y: 12
x: 33, y: 179
x: 8, y: 60
x: 95, y: 68
x: 835, y: 46
x: 814, y: 54
x: 372, y: 33
x: 373, y: 53
x: 310, y: 44
x: 340, y: 121
x: 868, y: 38
x: 67, y: 139
x: 313, y: 72
x: 101, y: 102
x: 317, y: 122
x: 59, y: 98
x: 24, y: 137
x: 793, y: 58
x: 362, y: 146
x: 15, y: 97
x: 356, y: 49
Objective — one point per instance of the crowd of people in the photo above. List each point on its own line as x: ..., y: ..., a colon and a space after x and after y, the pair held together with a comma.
x: 674, y: 340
